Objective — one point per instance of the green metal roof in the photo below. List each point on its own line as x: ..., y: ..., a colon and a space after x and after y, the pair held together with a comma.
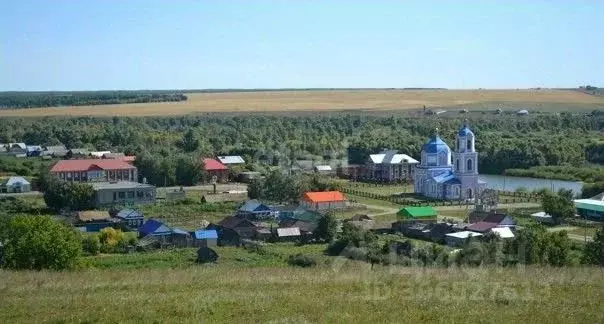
x: 418, y: 212
x: 590, y: 204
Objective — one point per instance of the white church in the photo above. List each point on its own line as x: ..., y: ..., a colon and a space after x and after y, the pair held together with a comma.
x: 437, y: 177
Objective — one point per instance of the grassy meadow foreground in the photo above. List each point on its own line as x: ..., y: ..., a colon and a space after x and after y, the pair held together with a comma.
x: 327, y: 293
x: 333, y: 100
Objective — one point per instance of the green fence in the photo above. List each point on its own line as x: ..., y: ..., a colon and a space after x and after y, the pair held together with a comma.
x: 505, y: 198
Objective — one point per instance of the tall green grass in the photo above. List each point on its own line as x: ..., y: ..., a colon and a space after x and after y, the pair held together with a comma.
x: 349, y: 292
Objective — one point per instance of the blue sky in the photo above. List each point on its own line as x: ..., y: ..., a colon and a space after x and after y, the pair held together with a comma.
x: 147, y: 44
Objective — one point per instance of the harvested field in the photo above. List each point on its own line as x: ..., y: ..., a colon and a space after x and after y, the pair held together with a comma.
x: 332, y: 100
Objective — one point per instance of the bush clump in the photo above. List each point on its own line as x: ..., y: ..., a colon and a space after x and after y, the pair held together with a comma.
x: 301, y: 260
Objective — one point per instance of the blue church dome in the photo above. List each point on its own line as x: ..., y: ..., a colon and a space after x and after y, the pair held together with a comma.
x: 435, y: 145
x: 465, y: 130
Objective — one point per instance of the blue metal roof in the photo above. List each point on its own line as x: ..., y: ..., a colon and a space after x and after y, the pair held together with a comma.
x: 180, y: 231
x: 435, y: 145
x: 206, y: 234
x: 448, y: 178
x: 153, y: 227
x: 465, y: 131
x: 253, y: 205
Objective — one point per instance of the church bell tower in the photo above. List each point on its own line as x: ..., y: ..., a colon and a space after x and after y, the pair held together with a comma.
x: 465, y: 162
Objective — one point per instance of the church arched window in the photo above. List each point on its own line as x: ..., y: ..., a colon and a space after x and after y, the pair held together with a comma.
x: 469, y: 145
x: 458, y: 144
x: 469, y: 165
x: 457, y: 164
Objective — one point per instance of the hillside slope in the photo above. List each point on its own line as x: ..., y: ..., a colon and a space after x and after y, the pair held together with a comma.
x: 353, y: 293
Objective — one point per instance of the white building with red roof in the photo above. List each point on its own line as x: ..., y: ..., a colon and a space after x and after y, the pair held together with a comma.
x: 94, y: 170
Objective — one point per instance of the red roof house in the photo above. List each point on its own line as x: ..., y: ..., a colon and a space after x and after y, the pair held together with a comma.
x: 94, y: 170
x: 325, y: 200
x: 215, y: 169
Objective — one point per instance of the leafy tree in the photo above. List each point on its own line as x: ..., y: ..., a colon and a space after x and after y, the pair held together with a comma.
x: 255, y: 189
x: 39, y: 242
x: 73, y: 195
x: 558, y: 249
x: 188, y: 171
x: 91, y: 244
x: 190, y: 141
x: 594, y: 251
x: 110, y: 238
x: 327, y: 228
x: 559, y: 206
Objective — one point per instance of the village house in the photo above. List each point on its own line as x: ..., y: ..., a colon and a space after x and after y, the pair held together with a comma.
x: 458, y: 238
x: 288, y: 234
x: 323, y: 201
x: 215, y: 170
x: 94, y: 170
x: 503, y: 232
x: 114, y: 155
x: 231, y: 160
x: 205, y: 238
x: 14, y: 185
x: 491, y: 217
x: 131, y: 218
x: 157, y: 232
x: 94, y: 220
x: 390, y: 166
x: 434, y: 232
x: 324, y: 169
x: 78, y: 153
x: 542, y: 217
x: 99, y: 154
x: 56, y: 151
x: 591, y: 208
x: 33, y: 150
x: 483, y: 222
x: 418, y: 214
x: 17, y: 149
x: 481, y: 227
x: 122, y: 193
x: 155, y: 228
x: 232, y: 229
x: 255, y: 210
x: 296, y: 212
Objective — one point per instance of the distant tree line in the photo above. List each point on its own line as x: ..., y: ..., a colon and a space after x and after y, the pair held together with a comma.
x: 15, y: 100
x: 503, y: 142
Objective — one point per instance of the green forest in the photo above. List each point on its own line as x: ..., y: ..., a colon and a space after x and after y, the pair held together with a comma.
x: 504, y: 142
x: 16, y: 100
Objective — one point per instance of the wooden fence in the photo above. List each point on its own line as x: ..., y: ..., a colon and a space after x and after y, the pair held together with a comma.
x: 505, y: 198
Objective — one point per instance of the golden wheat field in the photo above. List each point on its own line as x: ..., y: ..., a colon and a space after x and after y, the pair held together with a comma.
x: 323, y: 100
